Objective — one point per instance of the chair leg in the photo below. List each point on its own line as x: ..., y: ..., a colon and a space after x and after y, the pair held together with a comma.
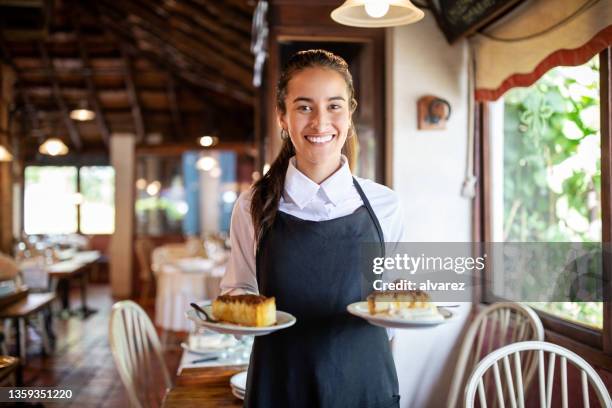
x: 41, y: 326
x: 21, y: 339
x: 6, y: 329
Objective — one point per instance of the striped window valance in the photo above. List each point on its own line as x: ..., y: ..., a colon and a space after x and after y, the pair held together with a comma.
x: 535, y: 37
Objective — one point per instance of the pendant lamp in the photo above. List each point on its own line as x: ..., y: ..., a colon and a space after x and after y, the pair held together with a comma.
x: 5, y: 155
x: 377, y: 13
x: 53, y: 147
x: 82, y: 113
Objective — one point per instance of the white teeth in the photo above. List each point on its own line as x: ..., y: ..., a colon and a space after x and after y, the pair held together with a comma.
x: 319, y: 139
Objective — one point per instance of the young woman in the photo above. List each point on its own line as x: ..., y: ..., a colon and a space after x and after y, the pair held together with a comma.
x: 296, y: 236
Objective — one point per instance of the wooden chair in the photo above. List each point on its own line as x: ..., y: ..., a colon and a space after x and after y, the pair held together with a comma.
x: 137, y: 353
x: 144, y: 249
x: 507, y: 382
x: 495, y: 326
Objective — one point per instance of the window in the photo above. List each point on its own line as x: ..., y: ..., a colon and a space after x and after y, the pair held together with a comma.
x: 543, y: 162
x: 50, y: 200
x: 97, y: 187
x: 67, y: 199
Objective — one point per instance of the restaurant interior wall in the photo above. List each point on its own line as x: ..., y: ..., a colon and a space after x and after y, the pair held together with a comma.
x: 428, y: 169
x: 6, y: 168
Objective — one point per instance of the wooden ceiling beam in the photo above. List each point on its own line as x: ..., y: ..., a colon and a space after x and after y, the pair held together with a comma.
x: 175, y: 110
x: 35, y: 129
x: 189, y: 74
x: 242, y: 6
x: 73, y: 132
x: 192, y: 13
x: 194, y: 30
x: 198, y: 52
x: 225, y: 15
x: 91, y: 87
x: 133, y: 95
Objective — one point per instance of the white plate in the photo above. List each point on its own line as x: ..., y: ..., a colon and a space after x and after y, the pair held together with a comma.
x: 237, y: 394
x: 238, y: 381
x: 283, y: 320
x: 360, y: 309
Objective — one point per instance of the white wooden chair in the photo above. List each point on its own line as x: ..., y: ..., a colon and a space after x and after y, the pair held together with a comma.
x: 507, y: 384
x: 495, y: 326
x: 137, y: 354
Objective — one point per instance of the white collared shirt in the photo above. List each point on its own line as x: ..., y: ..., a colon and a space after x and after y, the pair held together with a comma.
x: 305, y: 199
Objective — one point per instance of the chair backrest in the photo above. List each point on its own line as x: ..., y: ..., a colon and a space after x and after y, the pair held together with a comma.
x: 507, y: 385
x: 495, y: 326
x: 137, y: 353
x: 144, y: 249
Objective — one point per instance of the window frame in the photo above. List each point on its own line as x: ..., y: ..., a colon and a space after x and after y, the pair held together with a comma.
x: 78, y: 190
x: 595, y: 345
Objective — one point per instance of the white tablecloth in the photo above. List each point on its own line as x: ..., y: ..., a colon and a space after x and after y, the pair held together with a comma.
x: 181, y: 281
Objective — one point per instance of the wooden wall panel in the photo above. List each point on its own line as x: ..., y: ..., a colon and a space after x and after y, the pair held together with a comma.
x: 7, y: 80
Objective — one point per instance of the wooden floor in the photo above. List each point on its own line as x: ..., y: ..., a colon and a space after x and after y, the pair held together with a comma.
x: 82, y: 360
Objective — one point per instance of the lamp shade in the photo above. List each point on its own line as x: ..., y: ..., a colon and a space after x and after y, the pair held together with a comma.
x: 82, y: 113
x: 376, y: 13
x: 53, y: 147
x: 5, y: 155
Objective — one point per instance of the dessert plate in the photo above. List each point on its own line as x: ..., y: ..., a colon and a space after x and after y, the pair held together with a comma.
x: 283, y: 320
x: 238, y: 381
x: 238, y: 394
x: 360, y: 309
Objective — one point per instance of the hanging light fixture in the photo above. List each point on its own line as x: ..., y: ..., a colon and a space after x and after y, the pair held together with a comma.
x: 82, y: 113
x: 53, y: 147
x: 208, y: 141
x: 5, y: 155
x: 376, y: 13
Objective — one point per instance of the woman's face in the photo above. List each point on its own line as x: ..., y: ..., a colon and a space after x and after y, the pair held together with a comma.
x: 317, y: 115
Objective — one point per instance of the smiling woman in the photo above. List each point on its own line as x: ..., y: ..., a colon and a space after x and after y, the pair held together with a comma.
x: 296, y: 236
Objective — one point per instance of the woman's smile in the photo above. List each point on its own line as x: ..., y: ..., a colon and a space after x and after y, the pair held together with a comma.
x: 320, y: 138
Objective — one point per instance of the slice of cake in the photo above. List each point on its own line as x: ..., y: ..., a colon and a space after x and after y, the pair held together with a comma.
x: 246, y: 310
x: 409, y: 304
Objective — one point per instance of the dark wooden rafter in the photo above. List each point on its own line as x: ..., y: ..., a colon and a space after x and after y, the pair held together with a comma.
x: 133, y: 95
x: 181, y: 19
x: 193, y: 15
x: 175, y: 110
x: 91, y: 87
x: 158, y: 53
x: 29, y: 107
x: 152, y: 24
x: 240, y: 5
x: 73, y: 132
x: 225, y: 15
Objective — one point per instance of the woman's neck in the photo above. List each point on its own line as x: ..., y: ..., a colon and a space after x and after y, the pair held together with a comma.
x: 318, y: 172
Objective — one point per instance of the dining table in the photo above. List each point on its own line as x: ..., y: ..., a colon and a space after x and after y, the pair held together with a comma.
x: 205, y: 387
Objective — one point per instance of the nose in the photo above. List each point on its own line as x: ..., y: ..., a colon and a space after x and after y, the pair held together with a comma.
x: 320, y: 120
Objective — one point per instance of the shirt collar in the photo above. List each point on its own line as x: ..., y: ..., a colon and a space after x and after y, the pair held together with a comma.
x: 302, y: 190
x: 338, y: 185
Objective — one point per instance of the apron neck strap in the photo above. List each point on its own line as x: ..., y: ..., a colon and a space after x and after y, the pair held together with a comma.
x: 366, y: 202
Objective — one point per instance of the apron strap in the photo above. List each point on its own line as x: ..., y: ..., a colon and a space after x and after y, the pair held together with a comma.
x: 366, y: 202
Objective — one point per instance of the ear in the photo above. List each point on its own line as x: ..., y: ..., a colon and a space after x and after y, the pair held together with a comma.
x: 280, y: 119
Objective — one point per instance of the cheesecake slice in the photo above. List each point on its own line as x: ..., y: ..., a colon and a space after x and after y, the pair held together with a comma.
x: 409, y: 304
x: 245, y: 310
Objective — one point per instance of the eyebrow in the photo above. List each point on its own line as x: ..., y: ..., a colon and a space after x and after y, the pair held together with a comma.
x: 310, y: 100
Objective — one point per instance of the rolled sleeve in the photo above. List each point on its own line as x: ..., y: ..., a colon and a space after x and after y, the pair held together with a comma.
x: 240, y: 276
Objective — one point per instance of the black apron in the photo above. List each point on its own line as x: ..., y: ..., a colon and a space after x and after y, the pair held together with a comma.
x: 329, y: 358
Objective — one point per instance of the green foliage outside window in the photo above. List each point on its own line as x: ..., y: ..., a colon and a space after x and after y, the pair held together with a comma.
x: 552, y: 168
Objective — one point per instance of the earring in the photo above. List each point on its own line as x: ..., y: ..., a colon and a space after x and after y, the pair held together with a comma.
x: 284, y: 134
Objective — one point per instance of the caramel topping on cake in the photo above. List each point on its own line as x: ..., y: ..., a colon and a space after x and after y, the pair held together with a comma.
x: 248, y: 299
